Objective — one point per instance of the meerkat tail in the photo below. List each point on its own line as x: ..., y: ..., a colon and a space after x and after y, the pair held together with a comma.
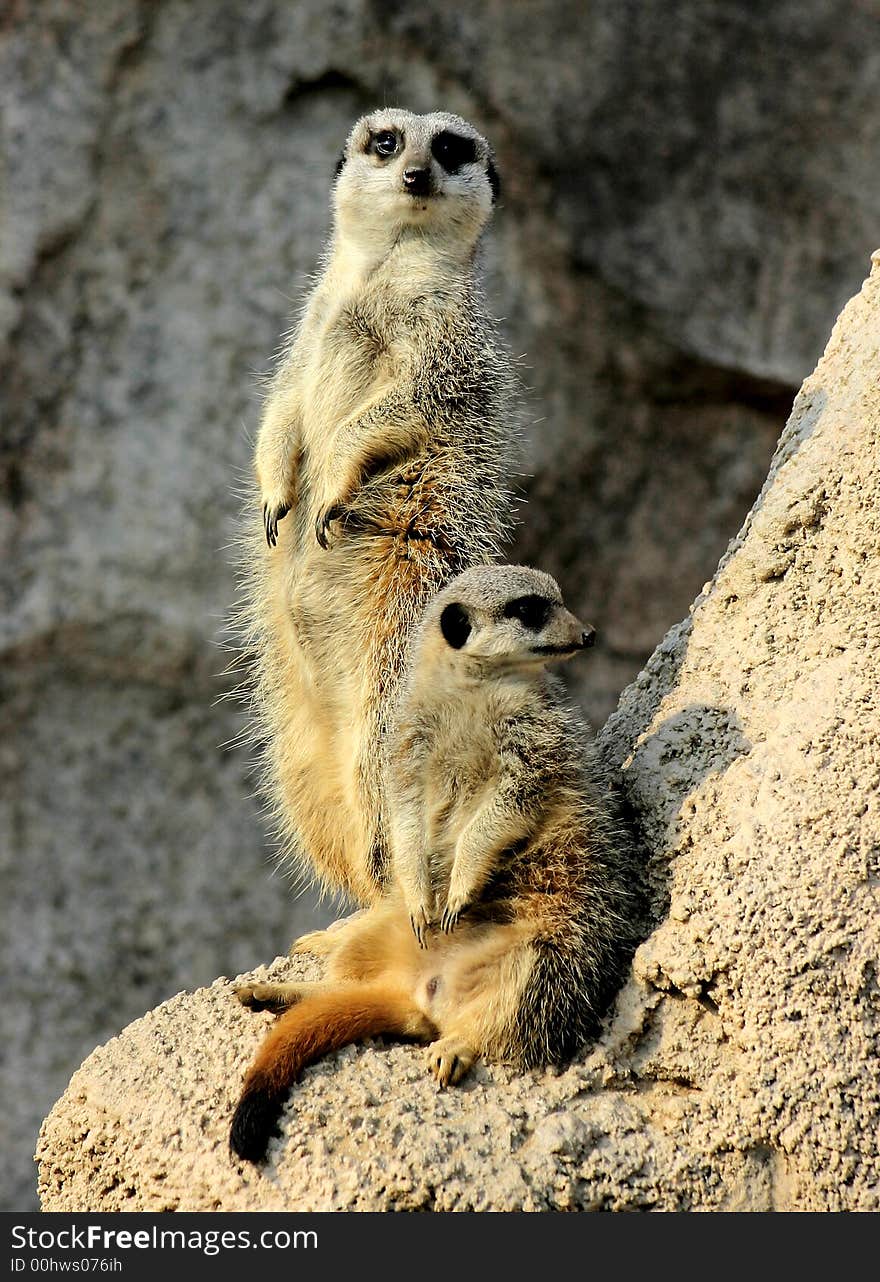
x: 315, y: 1026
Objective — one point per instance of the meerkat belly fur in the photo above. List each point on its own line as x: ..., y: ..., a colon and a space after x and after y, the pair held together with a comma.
x: 510, y: 914
x: 381, y: 462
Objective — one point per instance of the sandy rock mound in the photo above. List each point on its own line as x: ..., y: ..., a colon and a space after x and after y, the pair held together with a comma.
x: 739, y: 1070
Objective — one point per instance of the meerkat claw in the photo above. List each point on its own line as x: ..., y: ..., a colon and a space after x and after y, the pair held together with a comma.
x: 449, y: 920
x: 324, y: 521
x: 271, y: 517
x: 419, y: 922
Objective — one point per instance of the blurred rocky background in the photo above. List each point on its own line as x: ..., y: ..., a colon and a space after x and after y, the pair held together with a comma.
x: 691, y: 192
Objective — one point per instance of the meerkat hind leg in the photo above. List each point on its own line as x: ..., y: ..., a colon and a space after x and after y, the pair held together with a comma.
x: 278, y: 996
x: 321, y: 943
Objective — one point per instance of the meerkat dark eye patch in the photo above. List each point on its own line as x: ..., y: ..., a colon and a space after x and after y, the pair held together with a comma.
x: 453, y: 150
x: 455, y: 625
x: 384, y: 143
x: 532, y: 611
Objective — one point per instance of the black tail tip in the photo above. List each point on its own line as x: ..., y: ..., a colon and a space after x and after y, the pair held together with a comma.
x: 254, y: 1124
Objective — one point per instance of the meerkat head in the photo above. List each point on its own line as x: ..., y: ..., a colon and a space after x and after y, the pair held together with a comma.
x: 399, y: 172
x: 502, y: 617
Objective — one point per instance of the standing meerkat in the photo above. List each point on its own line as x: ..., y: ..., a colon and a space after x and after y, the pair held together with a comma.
x: 381, y: 462
x: 510, y: 914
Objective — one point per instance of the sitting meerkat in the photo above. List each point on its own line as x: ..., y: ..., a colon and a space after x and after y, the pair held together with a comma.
x: 510, y: 913
x: 380, y: 463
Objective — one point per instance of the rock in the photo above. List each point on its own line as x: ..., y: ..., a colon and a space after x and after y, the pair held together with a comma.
x: 738, y: 1069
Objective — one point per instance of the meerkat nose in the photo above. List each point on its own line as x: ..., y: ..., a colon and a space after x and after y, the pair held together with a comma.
x: 417, y: 181
x: 588, y: 637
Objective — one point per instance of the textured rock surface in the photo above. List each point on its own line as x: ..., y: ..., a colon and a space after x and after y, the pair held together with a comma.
x: 740, y: 1068
x: 690, y: 193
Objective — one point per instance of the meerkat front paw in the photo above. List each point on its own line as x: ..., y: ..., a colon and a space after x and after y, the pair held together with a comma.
x: 422, y: 909
x: 420, y: 921
x: 455, y: 906
x: 273, y: 512
x: 449, y: 1060
x: 323, y: 522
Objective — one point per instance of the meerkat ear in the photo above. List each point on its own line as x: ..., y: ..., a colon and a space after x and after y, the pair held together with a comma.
x: 340, y: 164
x: 494, y: 180
x: 455, y: 625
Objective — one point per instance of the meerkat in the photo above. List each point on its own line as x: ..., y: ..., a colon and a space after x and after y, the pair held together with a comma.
x: 509, y: 916
x: 381, y: 464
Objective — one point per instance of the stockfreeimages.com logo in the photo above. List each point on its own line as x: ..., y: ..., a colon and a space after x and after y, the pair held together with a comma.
x: 93, y: 1237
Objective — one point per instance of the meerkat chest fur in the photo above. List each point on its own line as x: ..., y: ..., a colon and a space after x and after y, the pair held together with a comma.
x: 459, y: 743
x: 364, y: 336
x: 350, y: 350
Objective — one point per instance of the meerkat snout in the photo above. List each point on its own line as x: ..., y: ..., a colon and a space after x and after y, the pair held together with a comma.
x: 417, y: 182
x: 588, y: 638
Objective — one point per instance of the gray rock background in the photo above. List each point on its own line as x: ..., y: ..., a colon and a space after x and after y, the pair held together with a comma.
x: 691, y: 193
